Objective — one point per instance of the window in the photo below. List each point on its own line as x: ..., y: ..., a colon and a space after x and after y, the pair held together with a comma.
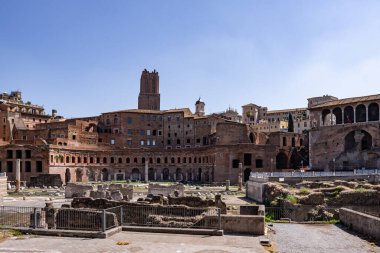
x: 74, y: 137
x: 198, y: 140
x: 159, y: 132
x: 100, y: 140
x: 112, y: 141
x: 28, y: 166
x: 112, y: 160
x: 129, y: 131
x: 142, y: 132
x: 283, y: 141
x: 84, y: 159
x: 148, y: 142
x: 188, y: 141
x: 143, y: 160
x: 129, y: 120
x: 104, y: 159
x: 169, y: 142
x: 154, y: 143
x: 259, y: 163
x: 158, y: 160
x: 18, y: 154
x: 120, y: 160
x: 79, y: 160
x: 148, y: 132
x: 39, y: 166
x: 247, y: 159
x: 129, y: 142
x: 91, y: 160
x: 235, y: 163
x: 142, y: 117
x: 154, y: 132
x: 178, y: 159
x: 116, y: 130
x: 178, y: 141
x: 169, y: 118
x: 97, y: 159
x: 73, y: 159
x: 142, y: 142
x: 9, y: 154
x: 9, y: 166
x: 166, y: 160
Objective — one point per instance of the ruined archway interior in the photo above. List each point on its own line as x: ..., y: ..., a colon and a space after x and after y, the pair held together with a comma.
x: 358, y: 140
x: 281, y: 161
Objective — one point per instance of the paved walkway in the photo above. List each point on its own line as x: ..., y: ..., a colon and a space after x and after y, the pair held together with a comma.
x: 302, y: 238
x: 139, y: 243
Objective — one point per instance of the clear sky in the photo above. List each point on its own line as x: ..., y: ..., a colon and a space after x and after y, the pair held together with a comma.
x: 84, y: 57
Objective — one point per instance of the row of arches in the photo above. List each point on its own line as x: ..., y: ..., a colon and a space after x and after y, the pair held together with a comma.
x: 136, y: 174
x: 349, y: 114
x: 120, y: 160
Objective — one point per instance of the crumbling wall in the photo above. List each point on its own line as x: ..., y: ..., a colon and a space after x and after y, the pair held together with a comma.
x: 166, y: 190
x: 77, y: 190
x: 46, y: 180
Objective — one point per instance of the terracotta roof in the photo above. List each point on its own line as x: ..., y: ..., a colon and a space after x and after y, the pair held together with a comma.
x: 286, y: 110
x: 347, y: 101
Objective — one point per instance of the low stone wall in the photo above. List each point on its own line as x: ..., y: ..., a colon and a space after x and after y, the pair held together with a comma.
x: 77, y: 190
x: 166, y: 190
x: 239, y: 224
x: 252, y: 210
x: 46, y: 180
x: 199, y: 202
x: 360, y: 222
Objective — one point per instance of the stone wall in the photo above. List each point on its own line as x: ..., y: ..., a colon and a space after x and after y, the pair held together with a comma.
x: 77, y: 190
x: 46, y: 180
x: 239, y: 224
x: 166, y: 190
x: 360, y: 222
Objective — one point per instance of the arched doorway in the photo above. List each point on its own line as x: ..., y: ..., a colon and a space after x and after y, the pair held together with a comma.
x: 151, y: 174
x: 105, y: 174
x: 281, y: 161
x: 79, y: 175
x: 189, y: 176
x: 165, y: 174
x: 251, y: 138
x: 178, y: 175
x: 247, y: 173
x: 199, y: 176
x: 67, y: 176
x: 135, y: 174
x: 206, y: 176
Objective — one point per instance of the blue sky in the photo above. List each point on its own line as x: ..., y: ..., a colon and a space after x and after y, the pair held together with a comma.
x: 84, y: 57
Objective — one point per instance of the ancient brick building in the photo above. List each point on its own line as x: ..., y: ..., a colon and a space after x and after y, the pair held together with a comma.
x: 176, y: 145
x: 345, y: 134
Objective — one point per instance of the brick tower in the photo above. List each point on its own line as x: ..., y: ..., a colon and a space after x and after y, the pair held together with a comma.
x: 149, y: 97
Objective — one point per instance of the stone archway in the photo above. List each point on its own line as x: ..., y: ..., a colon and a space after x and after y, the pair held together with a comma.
x: 357, y: 140
x: 79, y: 175
x: 165, y: 174
x: 135, y: 174
x: 151, y: 174
x: 199, y: 176
x: 178, y: 175
x: 67, y: 176
x: 105, y: 174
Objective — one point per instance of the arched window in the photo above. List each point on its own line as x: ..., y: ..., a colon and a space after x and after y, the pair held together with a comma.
x: 361, y: 114
x: 373, y: 112
x: 338, y: 115
x: 104, y: 159
x: 348, y: 114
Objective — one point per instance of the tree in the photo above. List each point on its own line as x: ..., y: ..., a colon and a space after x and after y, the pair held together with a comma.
x: 290, y: 123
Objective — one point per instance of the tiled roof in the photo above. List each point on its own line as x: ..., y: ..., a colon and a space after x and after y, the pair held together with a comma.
x: 348, y: 101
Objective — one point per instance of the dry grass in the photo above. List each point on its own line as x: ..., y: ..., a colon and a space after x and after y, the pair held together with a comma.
x: 122, y: 243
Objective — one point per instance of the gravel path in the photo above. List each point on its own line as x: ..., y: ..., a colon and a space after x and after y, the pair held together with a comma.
x: 310, y: 238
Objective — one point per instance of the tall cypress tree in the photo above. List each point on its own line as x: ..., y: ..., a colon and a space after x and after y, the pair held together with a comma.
x: 290, y: 123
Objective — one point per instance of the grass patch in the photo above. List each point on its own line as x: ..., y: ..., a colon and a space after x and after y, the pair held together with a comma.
x: 360, y: 189
x: 292, y: 199
x: 304, y: 191
x: 15, y: 232
x: 122, y: 243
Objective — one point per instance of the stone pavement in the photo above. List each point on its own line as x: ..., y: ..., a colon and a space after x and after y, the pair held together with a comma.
x: 312, y: 238
x: 139, y: 243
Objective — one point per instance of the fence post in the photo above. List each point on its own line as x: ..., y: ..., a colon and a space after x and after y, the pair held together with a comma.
x: 34, y: 218
x: 121, y: 215
x: 219, y: 220
x: 104, y: 221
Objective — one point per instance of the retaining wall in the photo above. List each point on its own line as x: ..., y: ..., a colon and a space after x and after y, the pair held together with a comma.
x: 360, y: 222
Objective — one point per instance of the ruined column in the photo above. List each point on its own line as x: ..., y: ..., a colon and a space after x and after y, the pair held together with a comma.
x: 227, y: 185
x: 155, y: 176
x: 18, y: 175
x: 146, y: 171
x: 162, y: 176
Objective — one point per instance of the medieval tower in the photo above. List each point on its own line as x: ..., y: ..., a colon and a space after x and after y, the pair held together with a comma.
x: 149, y: 97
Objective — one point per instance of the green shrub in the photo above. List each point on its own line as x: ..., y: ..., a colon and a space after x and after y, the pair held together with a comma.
x: 292, y: 199
x: 304, y: 191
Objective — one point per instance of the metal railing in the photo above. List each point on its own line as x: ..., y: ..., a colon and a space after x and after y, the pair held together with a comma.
x: 315, y: 173
x: 21, y: 217
x: 281, y: 213
x: 165, y: 216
